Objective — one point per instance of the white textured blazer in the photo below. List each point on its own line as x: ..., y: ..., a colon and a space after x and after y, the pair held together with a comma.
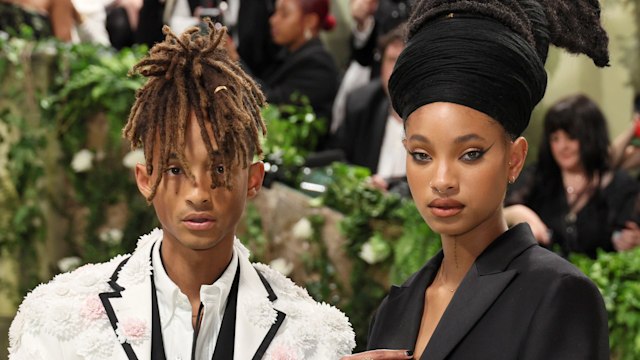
x: 103, y: 311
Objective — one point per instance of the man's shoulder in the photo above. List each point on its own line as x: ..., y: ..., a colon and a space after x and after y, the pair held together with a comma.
x: 304, y: 315
x: 62, y: 309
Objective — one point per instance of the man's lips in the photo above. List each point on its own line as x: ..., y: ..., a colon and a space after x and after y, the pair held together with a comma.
x: 445, y: 207
x: 198, y: 221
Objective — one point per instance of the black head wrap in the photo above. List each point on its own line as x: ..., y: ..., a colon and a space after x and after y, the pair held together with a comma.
x: 487, y: 55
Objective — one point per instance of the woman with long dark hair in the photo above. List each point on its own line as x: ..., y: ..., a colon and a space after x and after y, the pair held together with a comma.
x: 571, y: 197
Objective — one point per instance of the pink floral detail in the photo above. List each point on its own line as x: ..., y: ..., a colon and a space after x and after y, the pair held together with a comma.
x: 133, y: 331
x: 282, y: 352
x: 92, y: 309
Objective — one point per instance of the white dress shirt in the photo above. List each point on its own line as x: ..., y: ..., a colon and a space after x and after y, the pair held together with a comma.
x: 393, y: 156
x: 176, y: 312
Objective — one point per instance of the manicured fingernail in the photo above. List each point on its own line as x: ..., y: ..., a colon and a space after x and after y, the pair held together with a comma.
x: 409, y: 353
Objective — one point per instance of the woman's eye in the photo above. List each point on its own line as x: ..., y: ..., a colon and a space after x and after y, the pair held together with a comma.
x: 420, y: 156
x: 472, y: 155
x: 219, y: 169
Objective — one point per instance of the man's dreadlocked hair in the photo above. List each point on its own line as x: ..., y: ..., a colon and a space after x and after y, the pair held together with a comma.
x: 194, y: 73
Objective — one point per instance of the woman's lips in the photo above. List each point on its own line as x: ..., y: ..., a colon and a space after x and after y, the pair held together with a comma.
x: 445, y: 207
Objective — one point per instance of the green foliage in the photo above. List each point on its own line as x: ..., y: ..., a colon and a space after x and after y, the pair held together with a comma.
x: 385, y: 236
x: 293, y: 132
x: 617, y: 276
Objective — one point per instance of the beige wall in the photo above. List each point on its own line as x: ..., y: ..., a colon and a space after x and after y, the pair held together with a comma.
x: 609, y: 87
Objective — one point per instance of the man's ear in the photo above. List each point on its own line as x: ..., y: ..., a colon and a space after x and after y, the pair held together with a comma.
x: 256, y: 176
x: 517, y: 157
x: 143, y: 180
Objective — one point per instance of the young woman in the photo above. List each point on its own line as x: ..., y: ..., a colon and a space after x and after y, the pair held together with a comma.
x: 571, y: 197
x: 306, y: 67
x: 465, y: 85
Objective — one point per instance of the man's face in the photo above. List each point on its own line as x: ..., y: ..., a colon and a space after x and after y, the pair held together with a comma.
x: 389, y: 58
x: 194, y: 216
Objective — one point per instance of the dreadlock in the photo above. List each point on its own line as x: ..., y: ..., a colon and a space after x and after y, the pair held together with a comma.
x: 193, y: 73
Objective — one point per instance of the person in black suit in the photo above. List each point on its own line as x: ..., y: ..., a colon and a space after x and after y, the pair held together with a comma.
x: 466, y: 85
x: 304, y: 66
x: 371, y: 134
x: 247, y: 21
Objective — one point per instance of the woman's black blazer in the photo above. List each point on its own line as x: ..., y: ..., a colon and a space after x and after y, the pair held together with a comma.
x: 518, y: 301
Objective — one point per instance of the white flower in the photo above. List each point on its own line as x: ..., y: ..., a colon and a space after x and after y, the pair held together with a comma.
x: 302, y: 230
x: 260, y: 311
x: 111, y: 236
x: 135, y: 271
x: 282, y: 266
x: 69, y: 263
x: 374, y: 250
x: 133, y: 158
x: 82, y: 161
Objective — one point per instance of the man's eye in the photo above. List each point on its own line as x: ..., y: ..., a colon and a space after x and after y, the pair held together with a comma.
x: 174, y: 170
x: 219, y: 169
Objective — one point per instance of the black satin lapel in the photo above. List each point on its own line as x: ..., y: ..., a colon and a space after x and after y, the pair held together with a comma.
x: 157, y: 343
x: 472, y: 299
x: 226, y: 339
x: 397, y: 321
x: 106, y: 302
x: 264, y: 345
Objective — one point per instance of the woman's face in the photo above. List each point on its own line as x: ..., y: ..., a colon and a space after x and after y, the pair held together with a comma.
x: 287, y: 24
x: 459, y: 161
x: 565, y: 150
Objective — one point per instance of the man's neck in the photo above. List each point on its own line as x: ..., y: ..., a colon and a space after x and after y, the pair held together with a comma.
x: 190, y: 269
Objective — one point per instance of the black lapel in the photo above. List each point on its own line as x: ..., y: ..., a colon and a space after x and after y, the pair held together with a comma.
x: 276, y: 325
x: 485, y: 281
x: 157, y: 342
x: 106, y: 302
x: 397, y: 321
x: 226, y: 337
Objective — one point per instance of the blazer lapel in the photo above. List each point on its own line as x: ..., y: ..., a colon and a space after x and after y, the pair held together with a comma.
x: 397, y: 326
x: 128, y: 306
x: 257, y: 320
x: 484, y: 282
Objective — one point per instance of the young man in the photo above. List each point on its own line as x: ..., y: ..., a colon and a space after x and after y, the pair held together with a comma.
x: 188, y: 291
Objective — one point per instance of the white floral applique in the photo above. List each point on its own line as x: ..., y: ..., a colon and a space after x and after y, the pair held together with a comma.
x: 145, y: 240
x: 135, y: 271
x: 133, y: 331
x: 338, y: 330
x: 63, y: 319
x: 260, y: 312
x: 93, y: 344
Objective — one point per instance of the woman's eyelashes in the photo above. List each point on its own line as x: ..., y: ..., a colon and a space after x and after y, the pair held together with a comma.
x: 468, y: 156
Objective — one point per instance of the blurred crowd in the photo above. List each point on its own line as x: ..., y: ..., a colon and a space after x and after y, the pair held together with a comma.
x: 580, y: 195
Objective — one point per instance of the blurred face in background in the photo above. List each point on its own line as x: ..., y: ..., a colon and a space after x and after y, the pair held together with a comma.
x: 288, y: 24
x: 565, y: 150
x: 389, y: 58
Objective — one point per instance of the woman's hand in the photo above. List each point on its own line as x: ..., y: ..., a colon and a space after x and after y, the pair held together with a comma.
x: 628, y: 238
x: 380, y: 355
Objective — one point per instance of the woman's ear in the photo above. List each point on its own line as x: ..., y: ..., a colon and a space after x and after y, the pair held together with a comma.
x: 256, y: 176
x: 143, y: 180
x: 517, y: 157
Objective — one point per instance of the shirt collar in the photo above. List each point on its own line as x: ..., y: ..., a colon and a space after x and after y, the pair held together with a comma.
x: 213, y: 296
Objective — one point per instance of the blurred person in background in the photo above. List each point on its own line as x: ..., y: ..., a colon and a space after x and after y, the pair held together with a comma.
x: 47, y: 18
x: 572, y: 197
x: 372, y: 132
x: 625, y: 150
x: 304, y: 66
